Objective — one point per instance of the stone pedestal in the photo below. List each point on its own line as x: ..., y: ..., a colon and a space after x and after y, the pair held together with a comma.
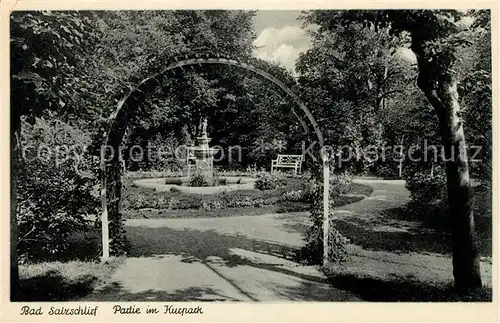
x: 204, y: 158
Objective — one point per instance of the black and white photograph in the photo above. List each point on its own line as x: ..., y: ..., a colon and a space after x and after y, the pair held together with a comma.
x: 250, y: 156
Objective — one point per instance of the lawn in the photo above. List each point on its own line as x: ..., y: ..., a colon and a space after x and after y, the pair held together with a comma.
x: 401, y: 251
x: 71, y: 274
x: 63, y: 281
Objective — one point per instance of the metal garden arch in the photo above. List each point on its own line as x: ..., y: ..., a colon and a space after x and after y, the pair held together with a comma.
x: 112, y: 235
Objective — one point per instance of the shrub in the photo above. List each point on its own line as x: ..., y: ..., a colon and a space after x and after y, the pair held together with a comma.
x: 198, y: 180
x: 138, y: 202
x: 162, y: 203
x: 304, y: 194
x: 308, y: 190
x: 266, y: 181
x: 387, y: 171
x: 172, y: 203
x: 426, y: 188
x: 190, y: 202
x: 292, y: 196
x: 141, y: 201
x: 340, y: 184
x: 312, y: 252
x: 206, y: 205
x: 225, y: 200
x: 55, y: 197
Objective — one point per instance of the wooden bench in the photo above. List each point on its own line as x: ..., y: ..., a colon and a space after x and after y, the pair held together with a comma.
x: 287, y: 161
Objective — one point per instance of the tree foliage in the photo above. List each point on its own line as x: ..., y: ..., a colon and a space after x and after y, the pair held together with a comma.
x: 350, y: 78
x: 436, y: 37
x: 57, y: 192
x: 46, y: 81
x: 46, y: 51
x: 72, y: 67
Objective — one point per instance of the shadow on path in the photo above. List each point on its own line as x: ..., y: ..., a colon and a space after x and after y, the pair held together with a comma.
x: 214, y: 250
x: 191, y: 294
x: 217, y: 251
x: 195, y: 245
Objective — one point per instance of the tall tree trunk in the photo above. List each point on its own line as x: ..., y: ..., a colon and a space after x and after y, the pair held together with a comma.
x: 15, y: 290
x: 442, y: 94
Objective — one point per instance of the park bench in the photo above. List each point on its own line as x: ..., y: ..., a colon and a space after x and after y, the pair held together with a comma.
x: 287, y: 161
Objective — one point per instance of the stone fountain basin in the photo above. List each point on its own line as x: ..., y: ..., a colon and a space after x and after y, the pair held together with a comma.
x: 158, y: 184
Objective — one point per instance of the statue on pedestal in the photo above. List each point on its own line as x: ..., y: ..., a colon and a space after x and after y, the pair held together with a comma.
x: 203, y: 154
x: 203, y: 126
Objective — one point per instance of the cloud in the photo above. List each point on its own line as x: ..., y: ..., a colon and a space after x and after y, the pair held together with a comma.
x: 285, y: 55
x: 282, y: 45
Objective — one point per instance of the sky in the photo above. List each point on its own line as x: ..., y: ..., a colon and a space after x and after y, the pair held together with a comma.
x: 280, y: 38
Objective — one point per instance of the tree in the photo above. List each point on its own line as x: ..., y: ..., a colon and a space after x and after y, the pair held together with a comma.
x: 475, y: 94
x: 45, y: 48
x: 244, y: 112
x: 435, y: 37
x: 138, y: 44
x: 349, y: 77
x: 233, y: 101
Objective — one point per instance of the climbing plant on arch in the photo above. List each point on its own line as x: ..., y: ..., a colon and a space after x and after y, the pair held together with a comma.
x: 112, y: 224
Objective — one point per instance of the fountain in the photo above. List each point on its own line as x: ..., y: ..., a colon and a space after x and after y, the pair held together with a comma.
x: 202, y: 154
x: 201, y: 158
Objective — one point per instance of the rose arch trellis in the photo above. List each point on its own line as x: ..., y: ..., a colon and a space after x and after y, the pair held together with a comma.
x: 112, y: 224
